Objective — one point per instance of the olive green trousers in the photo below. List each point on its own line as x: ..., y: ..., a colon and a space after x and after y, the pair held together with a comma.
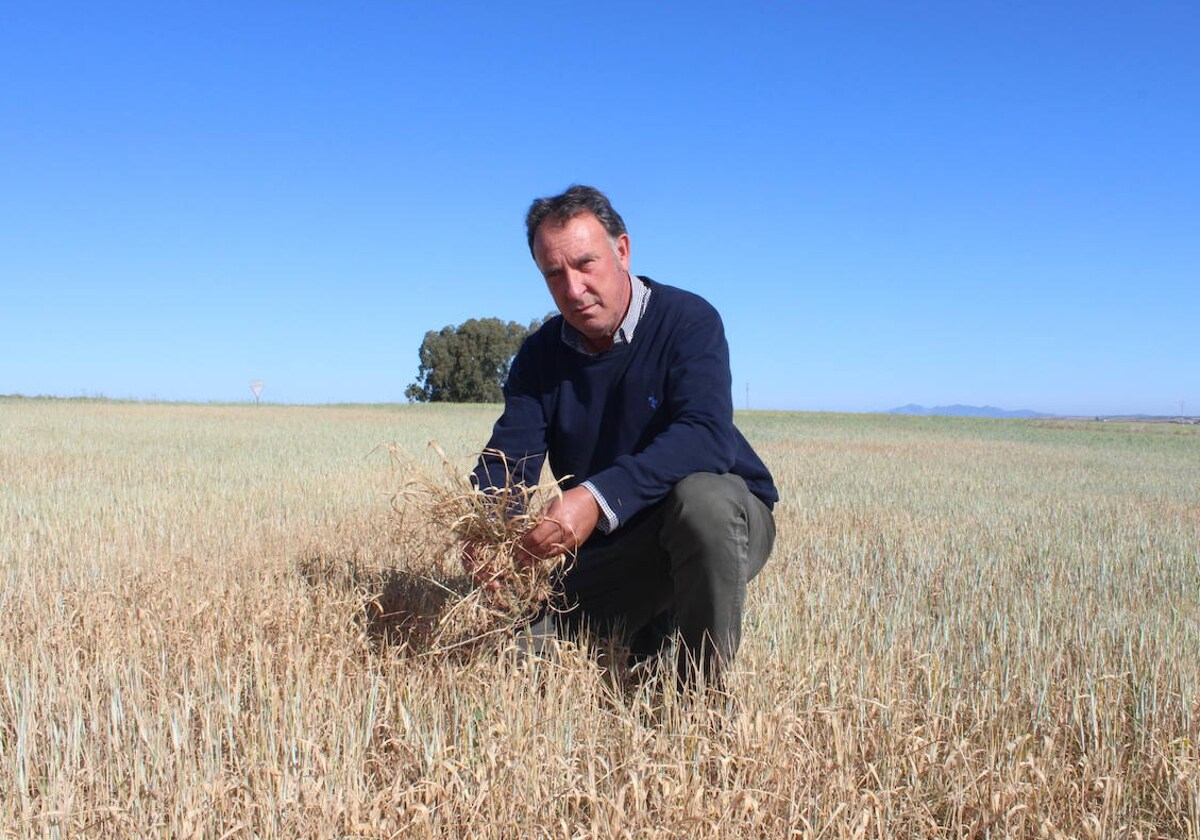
x: 681, y: 567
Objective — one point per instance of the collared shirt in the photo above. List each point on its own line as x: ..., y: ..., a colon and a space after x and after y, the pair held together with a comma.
x: 639, y: 296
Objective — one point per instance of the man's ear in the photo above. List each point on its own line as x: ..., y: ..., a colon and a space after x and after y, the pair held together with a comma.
x: 622, y: 249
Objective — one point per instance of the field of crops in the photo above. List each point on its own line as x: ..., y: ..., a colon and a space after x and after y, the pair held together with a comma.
x: 969, y: 628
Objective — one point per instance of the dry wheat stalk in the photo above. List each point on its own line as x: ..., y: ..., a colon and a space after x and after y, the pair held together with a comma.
x: 492, y: 522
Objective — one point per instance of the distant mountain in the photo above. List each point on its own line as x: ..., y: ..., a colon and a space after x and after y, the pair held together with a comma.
x: 966, y: 411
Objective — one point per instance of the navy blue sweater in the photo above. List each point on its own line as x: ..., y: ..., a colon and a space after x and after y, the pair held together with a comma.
x: 632, y: 420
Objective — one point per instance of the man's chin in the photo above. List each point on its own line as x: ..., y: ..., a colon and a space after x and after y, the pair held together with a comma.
x: 594, y: 339
x: 589, y: 329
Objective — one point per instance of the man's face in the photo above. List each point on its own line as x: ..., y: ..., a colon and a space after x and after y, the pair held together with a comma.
x: 587, y: 274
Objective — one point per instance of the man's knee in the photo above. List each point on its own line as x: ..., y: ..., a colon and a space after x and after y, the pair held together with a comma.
x: 717, y: 514
x: 708, y: 495
x: 704, y: 502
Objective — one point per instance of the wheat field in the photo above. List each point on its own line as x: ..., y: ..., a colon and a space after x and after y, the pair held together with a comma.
x: 215, y: 623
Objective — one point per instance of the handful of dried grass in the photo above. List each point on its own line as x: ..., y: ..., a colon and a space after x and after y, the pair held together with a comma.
x: 493, y: 523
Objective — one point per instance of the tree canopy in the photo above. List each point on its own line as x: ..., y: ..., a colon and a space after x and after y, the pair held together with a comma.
x: 467, y: 363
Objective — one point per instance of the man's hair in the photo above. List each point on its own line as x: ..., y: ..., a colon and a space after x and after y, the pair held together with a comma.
x: 578, y: 199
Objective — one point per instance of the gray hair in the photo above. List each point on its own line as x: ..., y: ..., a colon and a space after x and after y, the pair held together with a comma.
x: 577, y: 200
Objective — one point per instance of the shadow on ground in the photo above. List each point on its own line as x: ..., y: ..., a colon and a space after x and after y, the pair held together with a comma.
x: 391, y: 607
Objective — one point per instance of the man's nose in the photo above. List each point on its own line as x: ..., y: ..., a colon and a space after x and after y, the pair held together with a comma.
x: 574, y: 285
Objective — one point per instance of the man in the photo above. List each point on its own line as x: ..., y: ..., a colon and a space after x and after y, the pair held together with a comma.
x: 664, y: 503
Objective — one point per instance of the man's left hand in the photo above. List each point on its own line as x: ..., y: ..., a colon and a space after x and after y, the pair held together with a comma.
x: 569, y: 521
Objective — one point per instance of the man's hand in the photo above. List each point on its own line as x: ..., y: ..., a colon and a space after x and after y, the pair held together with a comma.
x: 569, y: 521
x: 481, y: 572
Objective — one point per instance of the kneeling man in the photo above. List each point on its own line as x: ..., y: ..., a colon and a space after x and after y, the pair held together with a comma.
x: 628, y: 391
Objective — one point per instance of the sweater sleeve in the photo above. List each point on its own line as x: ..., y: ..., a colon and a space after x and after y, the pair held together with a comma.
x: 517, y: 447
x: 699, y: 436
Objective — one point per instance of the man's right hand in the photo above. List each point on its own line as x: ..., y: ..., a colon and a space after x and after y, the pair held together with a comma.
x: 481, y: 572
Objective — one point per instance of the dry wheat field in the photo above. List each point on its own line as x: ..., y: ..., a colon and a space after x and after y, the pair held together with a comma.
x: 232, y: 622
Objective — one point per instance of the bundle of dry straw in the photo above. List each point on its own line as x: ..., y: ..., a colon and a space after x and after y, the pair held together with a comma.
x: 512, y: 585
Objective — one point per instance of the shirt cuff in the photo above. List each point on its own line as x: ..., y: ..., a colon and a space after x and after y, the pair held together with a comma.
x: 608, y: 522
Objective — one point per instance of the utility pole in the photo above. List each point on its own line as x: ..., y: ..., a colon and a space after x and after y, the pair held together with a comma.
x: 747, y: 395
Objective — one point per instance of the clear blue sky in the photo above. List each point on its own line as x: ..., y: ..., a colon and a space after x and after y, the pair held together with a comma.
x: 889, y: 202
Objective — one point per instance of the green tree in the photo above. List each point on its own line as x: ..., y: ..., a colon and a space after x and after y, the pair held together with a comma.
x: 467, y: 363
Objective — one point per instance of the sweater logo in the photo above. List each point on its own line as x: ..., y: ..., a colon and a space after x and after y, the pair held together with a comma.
x: 652, y: 401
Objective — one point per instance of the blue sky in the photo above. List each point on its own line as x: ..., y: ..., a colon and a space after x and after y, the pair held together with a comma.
x: 889, y: 202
